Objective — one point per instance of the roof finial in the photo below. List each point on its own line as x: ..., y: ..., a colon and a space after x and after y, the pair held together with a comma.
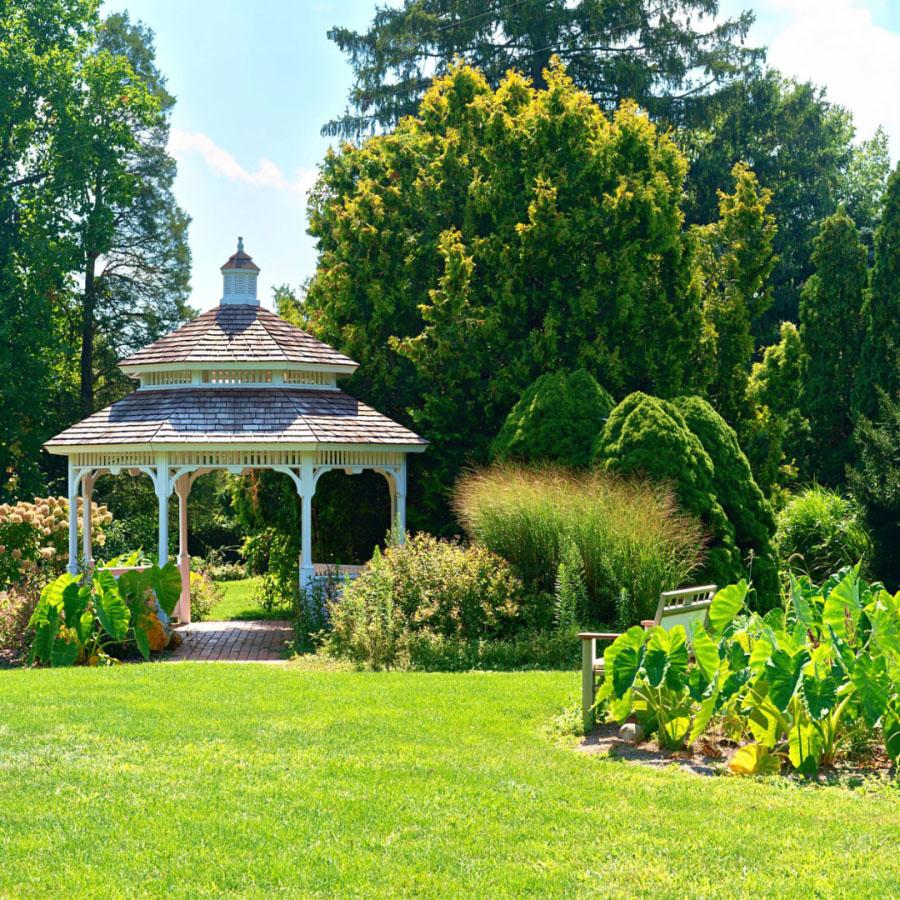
x: 240, y: 245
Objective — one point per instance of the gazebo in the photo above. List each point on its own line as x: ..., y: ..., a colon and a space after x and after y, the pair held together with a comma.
x: 236, y: 388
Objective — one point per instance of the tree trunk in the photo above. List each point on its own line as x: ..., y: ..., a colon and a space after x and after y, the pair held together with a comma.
x: 87, y: 337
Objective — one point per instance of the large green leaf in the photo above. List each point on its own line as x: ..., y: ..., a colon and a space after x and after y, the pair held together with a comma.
x: 802, y: 607
x: 783, y: 675
x: 51, y: 599
x: 754, y: 759
x: 706, y: 652
x: 805, y: 748
x: 142, y: 641
x: 819, y: 695
x: 885, y: 617
x: 871, y: 683
x: 64, y: 653
x: 113, y: 614
x: 726, y: 604
x: 44, y: 636
x: 166, y: 583
x: 74, y: 603
x: 842, y: 603
x: 623, y: 657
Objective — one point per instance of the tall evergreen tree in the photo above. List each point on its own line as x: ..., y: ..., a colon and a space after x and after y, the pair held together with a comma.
x: 880, y: 362
x: 671, y: 56
x: 800, y: 146
x: 831, y: 331
x: 497, y: 236
x: 736, y: 259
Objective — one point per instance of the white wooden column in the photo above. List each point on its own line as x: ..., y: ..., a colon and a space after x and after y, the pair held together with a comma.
x: 87, y: 526
x: 183, y: 490
x: 72, y: 566
x: 400, y: 502
x: 163, y: 489
x: 307, y: 489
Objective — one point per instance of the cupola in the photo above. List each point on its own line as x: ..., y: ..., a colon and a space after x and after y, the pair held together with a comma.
x: 239, y: 276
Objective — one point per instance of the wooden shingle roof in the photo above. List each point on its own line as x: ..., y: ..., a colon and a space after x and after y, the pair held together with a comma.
x: 236, y: 415
x: 238, y: 334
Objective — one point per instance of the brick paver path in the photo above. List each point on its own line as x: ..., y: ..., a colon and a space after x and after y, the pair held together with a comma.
x: 256, y: 641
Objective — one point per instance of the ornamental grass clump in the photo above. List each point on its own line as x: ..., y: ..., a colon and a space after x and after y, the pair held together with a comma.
x: 629, y: 532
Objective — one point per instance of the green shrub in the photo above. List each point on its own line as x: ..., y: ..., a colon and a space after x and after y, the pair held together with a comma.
x: 425, y: 585
x: 686, y: 443
x: 649, y: 436
x: 820, y: 531
x: 205, y: 594
x: 801, y: 684
x: 743, y: 502
x: 629, y: 532
x: 556, y: 420
x: 528, y: 650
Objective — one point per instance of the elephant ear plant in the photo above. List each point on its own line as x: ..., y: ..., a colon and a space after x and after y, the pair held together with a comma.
x: 791, y: 687
x: 650, y: 675
x: 75, y: 623
x: 828, y: 666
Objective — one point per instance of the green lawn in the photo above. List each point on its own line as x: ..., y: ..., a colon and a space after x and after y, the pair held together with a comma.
x: 240, y: 602
x: 206, y: 779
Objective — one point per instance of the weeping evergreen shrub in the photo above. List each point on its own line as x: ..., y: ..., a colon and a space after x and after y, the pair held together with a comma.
x: 629, y: 532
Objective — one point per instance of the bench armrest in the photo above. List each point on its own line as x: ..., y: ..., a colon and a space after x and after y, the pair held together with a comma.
x: 598, y: 635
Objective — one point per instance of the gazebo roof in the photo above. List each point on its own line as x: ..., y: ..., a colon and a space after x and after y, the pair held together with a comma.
x: 237, y: 378
x: 161, y: 418
x: 239, y: 334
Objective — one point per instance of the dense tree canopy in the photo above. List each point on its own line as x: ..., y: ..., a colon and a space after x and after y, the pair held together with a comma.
x: 497, y: 236
x: 673, y: 57
x: 93, y: 251
x: 831, y: 331
x: 800, y: 146
x: 557, y: 418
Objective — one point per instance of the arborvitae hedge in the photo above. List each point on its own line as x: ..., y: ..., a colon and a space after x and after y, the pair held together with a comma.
x: 557, y: 418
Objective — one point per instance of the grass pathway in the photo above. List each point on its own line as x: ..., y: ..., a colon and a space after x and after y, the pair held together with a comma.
x: 259, y: 781
x: 240, y: 602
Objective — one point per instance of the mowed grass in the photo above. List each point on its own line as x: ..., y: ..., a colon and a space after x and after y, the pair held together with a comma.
x: 240, y: 601
x: 251, y: 780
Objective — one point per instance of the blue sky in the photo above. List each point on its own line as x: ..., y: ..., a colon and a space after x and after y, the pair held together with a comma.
x: 256, y: 81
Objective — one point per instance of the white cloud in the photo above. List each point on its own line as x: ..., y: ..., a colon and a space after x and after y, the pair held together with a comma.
x: 267, y: 175
x: 837, y: 44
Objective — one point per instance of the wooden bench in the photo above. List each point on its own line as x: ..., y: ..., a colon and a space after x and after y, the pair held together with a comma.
x: 682, y: 607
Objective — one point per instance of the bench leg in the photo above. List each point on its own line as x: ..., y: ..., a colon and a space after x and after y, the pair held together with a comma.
x: 587, y: 683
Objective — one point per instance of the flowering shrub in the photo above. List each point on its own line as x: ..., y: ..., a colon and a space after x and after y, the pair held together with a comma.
x: 16, y: 606
x: 34, y: 537
x: 426, y: 585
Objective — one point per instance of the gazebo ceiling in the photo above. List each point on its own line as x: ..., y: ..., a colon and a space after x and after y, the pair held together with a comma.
x: 239, y: 334
x: 236, y: 416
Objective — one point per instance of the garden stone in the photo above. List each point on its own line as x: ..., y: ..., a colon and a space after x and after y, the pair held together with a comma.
x: 632, y: 733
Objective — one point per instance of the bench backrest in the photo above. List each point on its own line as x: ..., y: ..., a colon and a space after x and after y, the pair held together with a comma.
x: 685, y: 606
